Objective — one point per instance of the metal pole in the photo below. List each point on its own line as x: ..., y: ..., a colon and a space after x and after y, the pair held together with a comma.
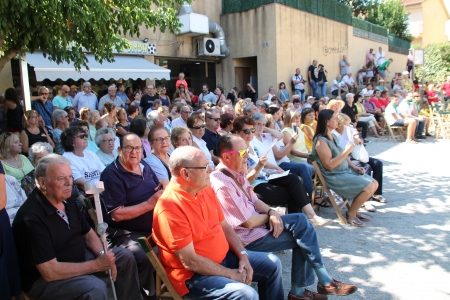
x: 25, y: 82
x: 95, y: 190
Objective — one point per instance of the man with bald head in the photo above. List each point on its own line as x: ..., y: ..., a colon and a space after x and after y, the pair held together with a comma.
x: 201, y: 253
x: 60, y: 255
x: 350, y: 82
x: 249, y: 217
x: 62, y: 100
x: 44, y: 106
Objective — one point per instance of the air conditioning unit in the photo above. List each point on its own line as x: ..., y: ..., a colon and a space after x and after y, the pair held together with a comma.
x: 209, y: 47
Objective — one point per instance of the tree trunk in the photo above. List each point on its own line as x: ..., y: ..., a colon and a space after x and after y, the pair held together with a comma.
x: 7, y: 57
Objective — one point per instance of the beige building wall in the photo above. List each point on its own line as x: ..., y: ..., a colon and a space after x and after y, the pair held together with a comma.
x: 434, y: 18
x: 6, y: 80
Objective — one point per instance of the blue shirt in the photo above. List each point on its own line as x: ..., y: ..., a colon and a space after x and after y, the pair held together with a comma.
x: 124, y: 188
x: 45, y: 110
x: 83, y: 100
x: 122, y: 96
x: 211, y: 139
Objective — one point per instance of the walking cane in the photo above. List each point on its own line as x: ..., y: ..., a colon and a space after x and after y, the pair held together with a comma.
x: 95, y: 189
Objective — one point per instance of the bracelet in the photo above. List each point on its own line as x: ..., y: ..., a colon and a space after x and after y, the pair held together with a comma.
x: 268, y: 212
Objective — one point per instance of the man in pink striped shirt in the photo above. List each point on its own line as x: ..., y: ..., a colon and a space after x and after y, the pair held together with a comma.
x: 260, y: 228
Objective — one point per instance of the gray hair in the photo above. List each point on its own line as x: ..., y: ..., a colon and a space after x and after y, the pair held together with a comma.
x: 260, y: 103
x: 151, y: 117
x: 112, y: 87
x: 37, y: 148
x: 42, y: 88
x: 248, y: 99
x: 91, y: 112
x: 101, y: 132
x: 86, y: 83
x: 210, y: 111
x: 226, y: 107
x: 179, y: 159
x: 45, y: 162
x: 57, y: 113
x: 247, y: 108
x: 349, y: 95
x: 258, y: 116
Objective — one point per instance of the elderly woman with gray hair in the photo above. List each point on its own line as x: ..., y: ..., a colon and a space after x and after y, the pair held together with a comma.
x: 104, y: 138
x: 35, y: 153
x: 93, y: 117
x: 61, y: 120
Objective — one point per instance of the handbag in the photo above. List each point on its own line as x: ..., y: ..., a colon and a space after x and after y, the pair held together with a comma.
x: 320, y: 82
x: 360, y: 153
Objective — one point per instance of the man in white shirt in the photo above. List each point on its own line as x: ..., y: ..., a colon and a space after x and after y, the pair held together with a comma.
x: 85, y: 98
x: 338, y: 83
x: 379, y: 60
x: 185, y: 111
x: 299, y: 86
x: 395, y: 119
x: 110, y: 97
x: 350, y: 82
x: 407, y: 110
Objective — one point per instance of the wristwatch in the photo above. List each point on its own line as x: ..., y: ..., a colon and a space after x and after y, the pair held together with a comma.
x: 243, y: 252
x: 101, y: 253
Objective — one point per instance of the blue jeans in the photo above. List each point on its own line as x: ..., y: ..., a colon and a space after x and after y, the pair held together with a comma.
x: 300, y: 236
x: 323, y: 90
x: 302, y: 95
x: 419, y: 128
x: 266, y: 271
x: 314, y: 87
x: 303, y: 170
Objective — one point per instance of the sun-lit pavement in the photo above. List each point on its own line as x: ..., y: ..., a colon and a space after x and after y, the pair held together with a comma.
x: 404, y: 252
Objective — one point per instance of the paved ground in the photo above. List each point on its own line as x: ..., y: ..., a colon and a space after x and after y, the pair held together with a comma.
x: 403, y: 253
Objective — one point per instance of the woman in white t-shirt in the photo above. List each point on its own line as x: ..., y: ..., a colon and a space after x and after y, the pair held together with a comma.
x: 86, y: 166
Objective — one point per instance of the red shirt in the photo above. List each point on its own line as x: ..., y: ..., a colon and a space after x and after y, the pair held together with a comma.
x: 431, y: 94
x: 183, y: 82
x: 380, y: 102
x: 194, y: 99
x: 180, y: 218
x: 446, y: 88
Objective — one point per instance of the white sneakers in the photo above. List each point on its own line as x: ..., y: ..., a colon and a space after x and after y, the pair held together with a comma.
x: 319, y: 221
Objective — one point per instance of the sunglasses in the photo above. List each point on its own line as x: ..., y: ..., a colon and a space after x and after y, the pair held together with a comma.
x: 247, y: 131
x: 82, y: 136
x: 215, y: 119
x: 241, y: 152
x: 199, y: 127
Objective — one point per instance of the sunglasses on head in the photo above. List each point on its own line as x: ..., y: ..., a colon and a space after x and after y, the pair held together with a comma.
x: 199, y: 127
x: 241, y: 152
x: 247, y: 131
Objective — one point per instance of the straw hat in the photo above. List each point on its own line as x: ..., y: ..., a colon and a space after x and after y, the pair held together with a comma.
x: 333, y: 102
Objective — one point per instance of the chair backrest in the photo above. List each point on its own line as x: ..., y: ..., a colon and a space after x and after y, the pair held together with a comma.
x: 164, y: 290
x: 319, y: 174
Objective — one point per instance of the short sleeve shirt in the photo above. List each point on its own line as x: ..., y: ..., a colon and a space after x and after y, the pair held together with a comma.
x: 211, y: 139
x: 42, y: 235
x: 181, y: 218
x: 312, y: 69
x: 89, y: 167
x: 61, y: 102
x: 390, y: 109
x: 384, y: 65
x: 431, y: 94
x: 446, y: 88
x: 124, y: 188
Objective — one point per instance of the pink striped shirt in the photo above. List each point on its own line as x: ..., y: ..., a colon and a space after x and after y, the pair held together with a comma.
x: 237, y: 208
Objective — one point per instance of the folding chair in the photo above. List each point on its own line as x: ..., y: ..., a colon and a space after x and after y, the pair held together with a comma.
x: 320, y: 184
x: 395, y: 132
x: 164, y: 289
x: 442, y: 126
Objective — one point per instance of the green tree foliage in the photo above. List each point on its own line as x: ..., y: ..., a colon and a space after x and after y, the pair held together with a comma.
x: 437, y: 64
x: 359, y: 6
x: 390, y: 14
x: 96, y: 25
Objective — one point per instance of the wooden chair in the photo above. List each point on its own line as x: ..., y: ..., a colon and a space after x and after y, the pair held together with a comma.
x: 443, y: 125
x: 164, y: 289
x: 395, y: 132
x: 320, y: 184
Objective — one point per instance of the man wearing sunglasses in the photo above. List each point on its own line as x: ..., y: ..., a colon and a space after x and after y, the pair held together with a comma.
x: 62, y: 100
x: 201, y: 253
x: 211, y: 137
x: 251, y: 218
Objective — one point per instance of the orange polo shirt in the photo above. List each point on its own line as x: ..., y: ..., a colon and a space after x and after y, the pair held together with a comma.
x: 180, y: 218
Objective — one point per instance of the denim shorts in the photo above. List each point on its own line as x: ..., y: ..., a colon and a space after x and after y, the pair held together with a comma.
x: 399, y: 123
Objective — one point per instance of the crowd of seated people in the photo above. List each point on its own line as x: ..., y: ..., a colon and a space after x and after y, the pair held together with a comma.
x: 196, y: 175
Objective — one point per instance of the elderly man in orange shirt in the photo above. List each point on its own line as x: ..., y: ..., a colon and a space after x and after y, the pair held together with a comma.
x: 203, y: 256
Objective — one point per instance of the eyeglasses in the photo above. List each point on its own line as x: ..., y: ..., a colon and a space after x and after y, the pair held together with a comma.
x: 44, y: 93
x: 198, y: 168
x: 130, y: 149
x: 108, y: 141
x: 66, y: 92
x: 215, y: 119
x: 199, y: 127
x: 82, y: 136
x: 247, y: 131
x: 162, y: 140
x: 241, y: 152
x: 297, y: 116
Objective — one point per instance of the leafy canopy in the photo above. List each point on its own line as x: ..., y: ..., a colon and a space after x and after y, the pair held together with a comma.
x: 437, y: 63
x: 52, y: 25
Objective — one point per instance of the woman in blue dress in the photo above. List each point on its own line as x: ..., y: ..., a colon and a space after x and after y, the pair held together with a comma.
x: 283, y: 93
x: 340, y: 173
x: 9, y: 266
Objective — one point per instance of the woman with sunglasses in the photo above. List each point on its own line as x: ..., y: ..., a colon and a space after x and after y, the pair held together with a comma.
x: 158, y: 160
x: 197, y: 125
x: 32, y: 132
x: 86, y: 166
x: 284, y: 191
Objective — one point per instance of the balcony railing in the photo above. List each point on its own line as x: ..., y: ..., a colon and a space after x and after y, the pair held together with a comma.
x: 416, y: 28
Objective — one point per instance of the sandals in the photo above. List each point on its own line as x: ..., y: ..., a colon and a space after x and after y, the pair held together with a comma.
x: 369, y: 207
x: 364, y: 217
x: 355, y: 222
x: 323, y: 203
x: 411, y: 141
x: 379, y: 198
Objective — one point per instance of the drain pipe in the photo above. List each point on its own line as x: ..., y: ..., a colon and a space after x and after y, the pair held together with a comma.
x: 218, y: 33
